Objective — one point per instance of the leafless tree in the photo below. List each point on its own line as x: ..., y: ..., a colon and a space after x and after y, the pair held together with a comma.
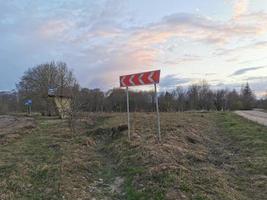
x: 220, y: 99
x: 193, y: 96
x: 181, y: 98
x: 8, y: 102
x: 205, y: 96
x: 233, y: 101
x: 36, y: 81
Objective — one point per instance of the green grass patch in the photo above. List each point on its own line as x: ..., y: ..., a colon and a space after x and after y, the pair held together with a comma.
x: 29, y: 168
x: 248, y: 142
x: 225, y: 158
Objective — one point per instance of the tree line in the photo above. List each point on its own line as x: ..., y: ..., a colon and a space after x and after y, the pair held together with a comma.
x: 196, y: 97
x: 36, y: 82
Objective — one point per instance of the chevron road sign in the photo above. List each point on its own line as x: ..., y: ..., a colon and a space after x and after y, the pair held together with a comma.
x: 144, y: 78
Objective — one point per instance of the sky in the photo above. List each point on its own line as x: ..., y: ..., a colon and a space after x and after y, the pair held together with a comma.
x: 221, y: 41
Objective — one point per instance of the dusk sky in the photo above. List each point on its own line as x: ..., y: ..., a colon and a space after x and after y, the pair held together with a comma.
x: 222, y: 41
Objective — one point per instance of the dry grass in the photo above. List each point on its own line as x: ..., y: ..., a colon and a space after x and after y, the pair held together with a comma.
x: 13, y: 127
x: 201, y: 156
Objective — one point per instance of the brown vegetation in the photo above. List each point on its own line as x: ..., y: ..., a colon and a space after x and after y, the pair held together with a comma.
x: 14, y: 126
x: 201, y: 156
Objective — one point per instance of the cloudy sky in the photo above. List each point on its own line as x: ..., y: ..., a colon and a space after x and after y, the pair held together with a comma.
x: 222, y: 41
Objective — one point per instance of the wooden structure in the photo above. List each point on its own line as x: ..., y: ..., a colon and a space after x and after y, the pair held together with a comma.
x: 62, y: 102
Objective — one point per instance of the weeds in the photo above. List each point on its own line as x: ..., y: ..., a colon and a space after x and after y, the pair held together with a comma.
x: 202, y: 156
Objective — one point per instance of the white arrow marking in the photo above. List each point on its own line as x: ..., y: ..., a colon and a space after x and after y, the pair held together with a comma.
x: 131, y: 80
x: 150, y: 77
x: 140, y: 79
x: 122, y: 81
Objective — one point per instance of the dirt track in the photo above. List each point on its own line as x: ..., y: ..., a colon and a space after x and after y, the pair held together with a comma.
x: 254, y: 115
x: 11, y: 124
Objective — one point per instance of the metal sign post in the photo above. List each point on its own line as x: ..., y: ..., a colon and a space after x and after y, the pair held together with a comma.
x: 157, y: 108
x: 128, y: 114
x: 30, y: 106
x: 30, y: 109
x: 28, y: 103
x: 145, y: 78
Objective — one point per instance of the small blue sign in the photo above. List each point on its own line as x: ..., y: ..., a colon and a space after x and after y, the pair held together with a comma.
x: 28, y: 102
x: 51, y: 92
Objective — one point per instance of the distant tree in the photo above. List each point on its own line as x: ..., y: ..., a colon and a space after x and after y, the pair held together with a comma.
x: 247, y: 97
x: 92, y: 100
x: 36, y: 81
x: 75, y: 107
x: 8, y: 102
x: 264, y: 102
x: 142, y: 101
x: 84, y: 99
x: 205, y: 96
x: 167, y: 101
x: 193, y: 96
x: 116, y: 100
x: 220, y: 99
x: 180, y: 95
x: 233, y: 101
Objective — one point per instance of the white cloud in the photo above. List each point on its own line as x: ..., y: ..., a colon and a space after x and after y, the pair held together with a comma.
x: 98, y: 40
x: 240, y: 8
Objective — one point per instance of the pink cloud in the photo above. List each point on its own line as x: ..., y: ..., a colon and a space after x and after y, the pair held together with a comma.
x: 115, y: 50
x: 53, y: 28
x: 240, y: 8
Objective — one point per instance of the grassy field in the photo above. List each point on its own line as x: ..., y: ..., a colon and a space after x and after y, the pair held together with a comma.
x: 201, y: 156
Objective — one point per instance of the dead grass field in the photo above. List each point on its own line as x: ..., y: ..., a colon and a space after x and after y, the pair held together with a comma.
x: 201, y: 156
x: 12, y: 127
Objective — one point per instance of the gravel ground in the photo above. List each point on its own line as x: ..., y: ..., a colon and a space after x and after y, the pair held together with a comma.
x: 254, y: 115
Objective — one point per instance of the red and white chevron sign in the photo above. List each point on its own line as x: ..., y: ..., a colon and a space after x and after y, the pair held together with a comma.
x: 144, y: 78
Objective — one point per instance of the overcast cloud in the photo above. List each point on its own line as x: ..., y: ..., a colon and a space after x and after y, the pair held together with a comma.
x: 101, y: 40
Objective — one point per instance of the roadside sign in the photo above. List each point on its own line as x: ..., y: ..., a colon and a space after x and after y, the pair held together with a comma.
x: 51, y: 92
x: 144, y: 78
x: 28, y: 103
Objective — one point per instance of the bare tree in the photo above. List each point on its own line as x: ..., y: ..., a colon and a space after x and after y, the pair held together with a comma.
x: 233, y: 100
x: 167, y: 101
x: 8, y: 102
x: 205, y: 96
x: 180, y: 95
x: 220, y: 99
x: 265, y: 101
x: 36, y: 81
x: 193, y: 96
x: 75, y: 107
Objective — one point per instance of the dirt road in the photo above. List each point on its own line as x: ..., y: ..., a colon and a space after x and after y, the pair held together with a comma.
x: 11, y: 124
x: 254, y: 115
